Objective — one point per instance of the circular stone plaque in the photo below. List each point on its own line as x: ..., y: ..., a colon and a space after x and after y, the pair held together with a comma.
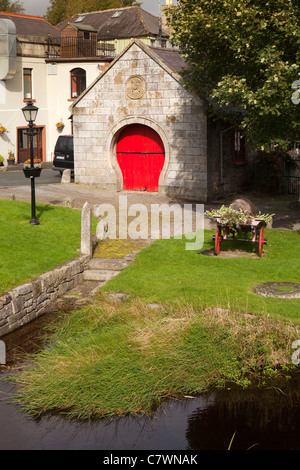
x: 135, y: 87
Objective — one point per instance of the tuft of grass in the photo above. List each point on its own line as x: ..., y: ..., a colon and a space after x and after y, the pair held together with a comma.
x: 110, y: 248
x: 117, y: 359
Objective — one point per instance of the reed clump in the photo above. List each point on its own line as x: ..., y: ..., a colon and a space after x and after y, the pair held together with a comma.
x: 117, y: 359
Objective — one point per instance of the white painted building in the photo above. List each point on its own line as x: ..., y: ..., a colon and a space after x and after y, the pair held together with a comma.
x: 49, y: 82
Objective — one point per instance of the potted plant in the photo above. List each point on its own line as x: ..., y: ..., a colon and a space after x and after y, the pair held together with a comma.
x: 3, y: 130
x: 11, y: 158
x: 1, y: 160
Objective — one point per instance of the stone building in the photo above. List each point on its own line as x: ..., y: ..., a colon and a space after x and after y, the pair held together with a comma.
x: 137, y: 127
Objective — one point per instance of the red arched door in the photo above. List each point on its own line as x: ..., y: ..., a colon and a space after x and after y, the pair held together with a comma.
x: 141, y: 156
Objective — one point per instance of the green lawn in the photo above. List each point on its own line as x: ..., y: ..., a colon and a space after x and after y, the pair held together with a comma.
x: 28, y: 250
x: 168, y: 273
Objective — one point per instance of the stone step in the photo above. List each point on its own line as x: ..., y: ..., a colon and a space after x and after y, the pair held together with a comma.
x: 108, y: 264
x: 99, y: 274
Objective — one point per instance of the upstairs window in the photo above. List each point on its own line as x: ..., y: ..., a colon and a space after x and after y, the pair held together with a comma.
x: 78, y: 82
x: 27, y: 84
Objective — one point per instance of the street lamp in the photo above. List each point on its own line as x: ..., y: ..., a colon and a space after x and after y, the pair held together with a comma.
x: 30, y: 112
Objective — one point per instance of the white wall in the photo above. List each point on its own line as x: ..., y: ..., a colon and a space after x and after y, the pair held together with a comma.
x: 11, y: 102
x: 51, y: 94
x: 59, y: 96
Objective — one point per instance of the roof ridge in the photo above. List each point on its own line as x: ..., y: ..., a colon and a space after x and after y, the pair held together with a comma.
x: 31, y: 17
x: 109, y: 9
x: 102, y: 11
x: 9, y: 13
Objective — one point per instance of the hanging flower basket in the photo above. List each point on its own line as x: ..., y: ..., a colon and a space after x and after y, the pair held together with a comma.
x: 37, y: 163
x: 32, y: 172
x: 60, y: 125
x: 3, y: 130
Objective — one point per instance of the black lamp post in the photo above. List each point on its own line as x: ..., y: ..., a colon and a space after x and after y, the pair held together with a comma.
x: 30, y: 112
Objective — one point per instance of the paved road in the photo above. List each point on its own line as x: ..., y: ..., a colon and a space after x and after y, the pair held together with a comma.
x: 17, y: 178
x: 50, y: 191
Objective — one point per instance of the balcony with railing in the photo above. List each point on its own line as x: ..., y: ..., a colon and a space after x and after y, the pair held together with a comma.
x: 79, y: 47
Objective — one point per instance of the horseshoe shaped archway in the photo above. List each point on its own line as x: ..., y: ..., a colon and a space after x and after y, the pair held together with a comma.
x: 141, y: 157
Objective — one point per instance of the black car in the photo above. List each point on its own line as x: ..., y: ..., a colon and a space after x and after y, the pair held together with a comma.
x: 64, y: 154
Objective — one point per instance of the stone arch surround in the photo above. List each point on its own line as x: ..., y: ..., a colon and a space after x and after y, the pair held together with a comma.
x: 112, y: 139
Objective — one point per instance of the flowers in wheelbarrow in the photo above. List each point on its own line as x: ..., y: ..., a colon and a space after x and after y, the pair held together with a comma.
x: 231, y: 217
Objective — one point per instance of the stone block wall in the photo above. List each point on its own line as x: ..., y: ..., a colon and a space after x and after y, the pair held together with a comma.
x: 166, y: 106
x: 24, y: 303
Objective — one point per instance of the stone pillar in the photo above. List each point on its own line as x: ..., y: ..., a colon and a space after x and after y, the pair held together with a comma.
x: 86, y: 230
x: 66, y: 176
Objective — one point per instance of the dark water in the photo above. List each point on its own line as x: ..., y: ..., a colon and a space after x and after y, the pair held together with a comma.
x: 258, y: 420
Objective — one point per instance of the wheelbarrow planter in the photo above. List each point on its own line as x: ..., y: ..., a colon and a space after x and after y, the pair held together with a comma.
x: 255, y: 226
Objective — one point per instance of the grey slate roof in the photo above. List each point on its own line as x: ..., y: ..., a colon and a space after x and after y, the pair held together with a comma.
x: 172, y: 58
x: 31, y: 25
x: 127, y: 22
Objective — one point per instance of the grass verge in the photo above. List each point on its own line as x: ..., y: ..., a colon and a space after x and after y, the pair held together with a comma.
x: 29, y: 250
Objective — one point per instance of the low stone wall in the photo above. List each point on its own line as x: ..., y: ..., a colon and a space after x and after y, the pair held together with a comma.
x: 24, y: 303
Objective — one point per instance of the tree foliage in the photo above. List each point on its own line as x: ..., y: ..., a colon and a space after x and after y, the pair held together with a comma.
x: 14, y: 7
x: 244, y: 57
x: 60, y: 10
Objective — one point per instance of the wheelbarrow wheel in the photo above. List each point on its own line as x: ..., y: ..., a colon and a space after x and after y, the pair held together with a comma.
x: 218, y: 240
x: 260, y: 242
